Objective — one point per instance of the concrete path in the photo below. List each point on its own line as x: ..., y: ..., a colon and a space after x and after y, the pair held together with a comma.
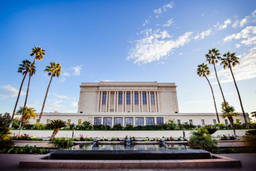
x: 9, y: 162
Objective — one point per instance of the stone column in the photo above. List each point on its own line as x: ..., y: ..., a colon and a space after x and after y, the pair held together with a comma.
x: 132, y: 100
x: 124, y: 101
x: 101, y: 101
x: 149, y: 100
x: 98, y: 101
x: 155, y: 101
x: 114, y: 104
x: 139, y: 93
x: 141, y: 99
x: 158, y: 101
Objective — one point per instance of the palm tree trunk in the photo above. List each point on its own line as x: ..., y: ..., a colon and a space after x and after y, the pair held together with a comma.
x: 238, y: 93
x: 17, y: 100
x: 215, y: 106
x: 45, y: 97
x: 26, y: 99
x: 219, y: 83
x: 231, y: 120
x: 54, y: 133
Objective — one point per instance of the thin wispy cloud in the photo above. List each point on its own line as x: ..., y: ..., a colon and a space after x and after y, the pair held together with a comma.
x: 71, y: 71
x: 8, y: 91
x: 155, y: 45
x: 164, y: 8
x: 60, y: 96
x: 245, y: 20
x: 224, y: 25
x: 244, y: 71
x: 246, y: 35
x: 203, y: 34
x: 77, y: 70
x: 168, y: 23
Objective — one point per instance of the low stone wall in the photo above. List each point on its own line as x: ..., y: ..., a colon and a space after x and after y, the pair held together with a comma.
x: 121, y: 134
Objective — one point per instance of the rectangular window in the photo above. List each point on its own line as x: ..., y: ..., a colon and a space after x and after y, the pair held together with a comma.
x: 128, y: 121
x: 150, y: 121
x: 152, y: 98
x: 104, y: 97
x: 120, y: 97
x: 97, y: 121
x: 214, y: 121
x: 107, y: 121
x: 203, y: 123
x: 159, y: 120
x: 144, y: 97
x: 178, y: 121
x: 190, y: 121
x: 118, y: 120
x: 139, y: 121
x: 136, y: 97
x: 128, y: 98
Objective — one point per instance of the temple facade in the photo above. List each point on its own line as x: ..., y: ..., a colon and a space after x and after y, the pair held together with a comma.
x: 133, y: 103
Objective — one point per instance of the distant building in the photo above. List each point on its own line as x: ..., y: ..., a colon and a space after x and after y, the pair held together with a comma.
x: 133, y: 103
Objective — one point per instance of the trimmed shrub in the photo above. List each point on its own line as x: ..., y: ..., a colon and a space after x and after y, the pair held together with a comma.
x: 62, y: 142
x: 250, y: 138
x: 202, y: 139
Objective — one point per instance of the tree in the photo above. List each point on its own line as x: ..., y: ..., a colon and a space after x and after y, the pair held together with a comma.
x: 56, y: 125
x: 53, y: 70
x: 203, y: 71
x: 230, y: 60
x: 229, y: 112
x: 24, y: 68
x: 212, y: 57
x: 26, y: 114
x: 38, y: 54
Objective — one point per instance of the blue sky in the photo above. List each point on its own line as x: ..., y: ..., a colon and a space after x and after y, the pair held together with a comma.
x: 131, y: 40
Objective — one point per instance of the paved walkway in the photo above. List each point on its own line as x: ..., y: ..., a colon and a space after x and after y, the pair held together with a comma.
x: 9, y: 162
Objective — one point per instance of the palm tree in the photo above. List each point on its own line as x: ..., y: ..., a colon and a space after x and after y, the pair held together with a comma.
x: 24, y: 68
x: 203, y: 71
x: 56, y: 125
x: 38, y: 54
x: 26, y: 114
x: 53, y: 70
x: 31, y: 72
x: 229, y: 112
x: 230, y: 60
x: 212, y: 57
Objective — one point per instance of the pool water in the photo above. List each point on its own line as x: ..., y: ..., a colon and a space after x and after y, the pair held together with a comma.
x: 113, y: 147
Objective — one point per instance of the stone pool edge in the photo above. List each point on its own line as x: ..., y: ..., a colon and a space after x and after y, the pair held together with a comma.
x: 217, y: 162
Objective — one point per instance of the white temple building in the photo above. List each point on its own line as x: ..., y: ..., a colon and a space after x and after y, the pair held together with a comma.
x: 133, y: 103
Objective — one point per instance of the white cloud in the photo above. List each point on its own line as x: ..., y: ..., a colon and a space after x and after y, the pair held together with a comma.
x: 9, y: 91
x: 245, y: 70
x: 156, y: 45
x: 248, y: 36
x: 60, y: 96
x: 203, y: 34
x: 164, y: 8
x: 225, y: 24
x: 168, y: 23
x: 77, y: 70
x: 247, y: 19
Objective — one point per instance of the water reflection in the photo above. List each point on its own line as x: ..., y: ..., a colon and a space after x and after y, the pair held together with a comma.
x: 113, y: 147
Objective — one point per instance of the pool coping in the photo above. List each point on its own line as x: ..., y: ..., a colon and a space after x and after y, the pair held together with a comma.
x: 218, y: 161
